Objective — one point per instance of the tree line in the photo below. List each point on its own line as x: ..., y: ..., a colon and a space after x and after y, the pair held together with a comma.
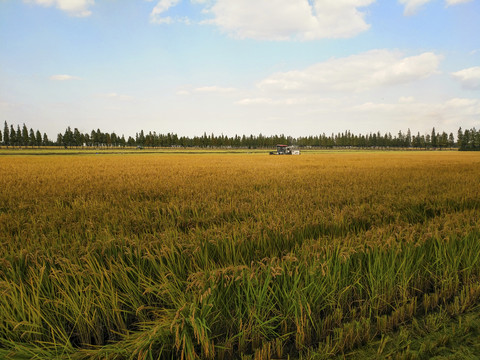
x: 23, y: 137
x: 468, y: 140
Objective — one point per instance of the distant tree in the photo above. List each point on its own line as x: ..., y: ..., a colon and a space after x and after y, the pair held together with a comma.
x: 409, y: 138
x: 67, y: 137
x: 6, y: 135
x: 100, y: 138
x: 141, y: 138
x: 401, y: 140
x: 45, y: 141
x: 466, y: 140
x: 38, y: 138
x: 451, y: 140
x: 86, y: 139
x: 434, y: 139
x: 471, y: 139
x: 60, y: 139
x: 1, y: 137
x: 19, y: 136
x: 443, y: 140
x: 416, y: 141
x: 423, y: 142
x: 428, y: 141
x: 108, y: 140
x: 476, y: 139
x: 460, y: 142
x: 94, y: 138
x: 13, y: 136
x: 77, y: 138
x: 24, y: 135
x: 114, y: 139
x: 31, y: 138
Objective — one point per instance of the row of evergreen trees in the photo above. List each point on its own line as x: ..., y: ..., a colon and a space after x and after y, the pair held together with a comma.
x: 22, y: 137
x: 468, y: 140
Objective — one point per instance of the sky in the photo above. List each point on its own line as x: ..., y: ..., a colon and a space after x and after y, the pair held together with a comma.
x: 293, y: 67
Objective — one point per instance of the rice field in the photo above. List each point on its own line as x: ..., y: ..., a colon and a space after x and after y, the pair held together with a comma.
x: 234, y: 256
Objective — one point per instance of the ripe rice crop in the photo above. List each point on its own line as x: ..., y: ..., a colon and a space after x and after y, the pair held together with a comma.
x: 231, y: 256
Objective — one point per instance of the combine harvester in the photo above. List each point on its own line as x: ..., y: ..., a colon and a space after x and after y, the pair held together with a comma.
x: 285, y: 150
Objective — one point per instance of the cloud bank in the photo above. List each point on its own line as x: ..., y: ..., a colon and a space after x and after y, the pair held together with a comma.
x: 468, y: 78
x: 413, y: 6
x: 63, y: 77
x: 79, y: 8
x: 279, y: 19
x: 157, y: 14
x: 290, y: 19
x: 355, y: 73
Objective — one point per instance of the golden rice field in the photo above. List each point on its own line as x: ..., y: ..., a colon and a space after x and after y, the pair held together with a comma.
x: 237, y: 256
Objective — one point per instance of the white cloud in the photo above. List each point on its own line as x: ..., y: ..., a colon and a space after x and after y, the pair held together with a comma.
x: 290, y: 101
x: 469, y: 78
x: 79, y: 8
x: 361, y: 114
x: 64, y: 77
x: 345, y: 92
x: 406, y: 99
x: 270, y: 101
x: 456, y: 2
x: 413, y: 6
x: 256, y: 101
x: 471, y: 105
x: 278, y: 20
x: 455, y: 111
x: 156, y: 16
x: 115, y: 96
x: 214, y: 89
x: 4, y: 104
x: 290, y: 19
x: 462, y: 111
x: 355, y: 73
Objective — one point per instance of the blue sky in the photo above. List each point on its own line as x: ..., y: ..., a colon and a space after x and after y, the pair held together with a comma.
x: 298, y: 67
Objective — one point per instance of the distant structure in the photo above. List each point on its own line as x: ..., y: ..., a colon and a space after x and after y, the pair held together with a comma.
x: 285, y: 150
